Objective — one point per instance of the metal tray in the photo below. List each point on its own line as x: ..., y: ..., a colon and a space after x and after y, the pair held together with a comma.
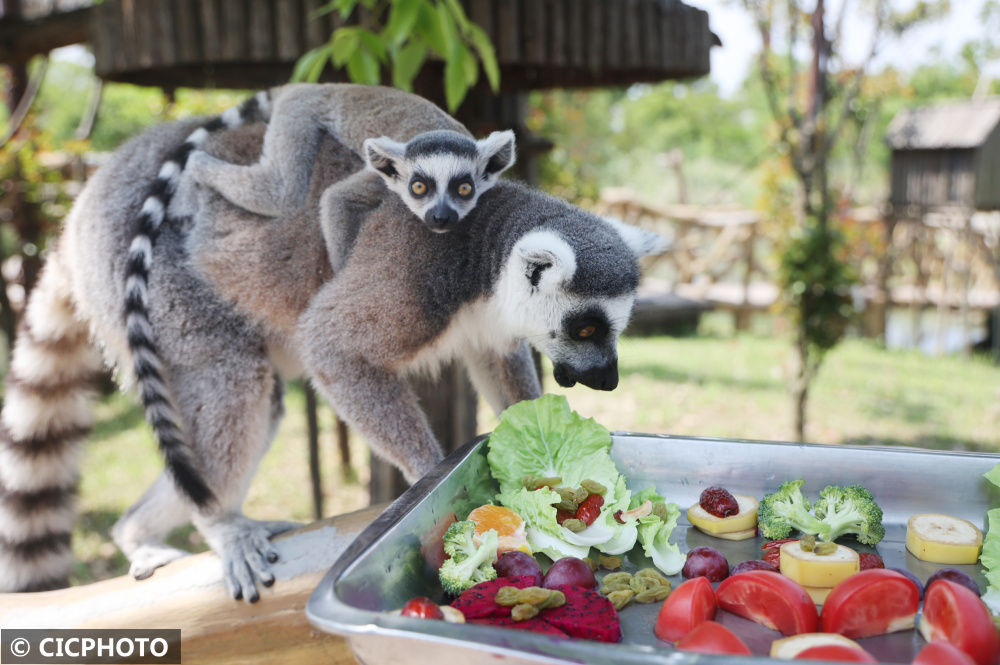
x: 386, y: 566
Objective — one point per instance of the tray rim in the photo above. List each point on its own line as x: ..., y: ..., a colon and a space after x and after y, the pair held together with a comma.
x: 360, y: 622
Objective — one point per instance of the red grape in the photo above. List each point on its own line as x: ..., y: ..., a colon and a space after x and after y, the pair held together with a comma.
x: 719, y: 502
x: 752, y: 564
x: 514, y: 563
x: 569, y: 570
x: 706, y: 562
x: 955, y: 575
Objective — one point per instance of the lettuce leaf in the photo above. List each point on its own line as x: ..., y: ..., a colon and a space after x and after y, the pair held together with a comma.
x: 654, y: 536
x: 990, y: 555
x: 544, y: 438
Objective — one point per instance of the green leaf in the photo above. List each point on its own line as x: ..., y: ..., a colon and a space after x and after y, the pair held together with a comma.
x: 406, y: 64
x: 458, y: 14
x: 449, y: 32
x: 402, y: 18
x: 455, y: 84
x: 373, y: 43
x: 428, y: 28
x: 487, y: 55
x: 469, y: 63
x: 993, y: 475
x: 309, y: 67
x: 363, y: 68
x: 333, y: 5
x: 344, y: 43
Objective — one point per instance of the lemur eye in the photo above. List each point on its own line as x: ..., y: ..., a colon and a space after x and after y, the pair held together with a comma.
x: 418, y: 187
x: 586, y: 331
x: 465, y: 189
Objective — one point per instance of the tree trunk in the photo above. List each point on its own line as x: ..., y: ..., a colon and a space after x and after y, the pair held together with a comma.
x: 800, y: 386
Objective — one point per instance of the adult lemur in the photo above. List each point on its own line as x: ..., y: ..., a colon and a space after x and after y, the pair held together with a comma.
x: 345, y: 288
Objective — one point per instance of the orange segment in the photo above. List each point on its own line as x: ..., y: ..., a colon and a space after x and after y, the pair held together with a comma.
x: 508, y: 525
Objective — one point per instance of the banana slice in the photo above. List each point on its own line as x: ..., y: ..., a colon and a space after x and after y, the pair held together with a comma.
x: 941, y: 538
x: 744, y: 520
x: 737, y: 535
x: 818, y: 593
x: 789, y: 647
x: 818, y: 570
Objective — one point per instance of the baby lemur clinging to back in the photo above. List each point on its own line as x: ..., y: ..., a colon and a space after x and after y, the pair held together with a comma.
x: 438, y: 174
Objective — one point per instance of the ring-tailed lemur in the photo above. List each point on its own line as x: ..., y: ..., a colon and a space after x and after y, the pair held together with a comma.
x: 358, y: 302
x: 439, y: 174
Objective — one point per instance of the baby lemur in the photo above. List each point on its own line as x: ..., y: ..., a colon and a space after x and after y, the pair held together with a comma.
x: 439, y: 174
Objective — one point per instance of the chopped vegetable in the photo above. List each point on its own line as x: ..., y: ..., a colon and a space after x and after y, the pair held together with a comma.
x: 990, y: 556
x: 839, y: 511
x: 469, y: 564
x: 654, y: 532
x: 873, y: 602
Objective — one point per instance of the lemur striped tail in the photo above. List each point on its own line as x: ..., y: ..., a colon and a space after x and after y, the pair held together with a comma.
x: 46, y: 416
x: 152, y: 386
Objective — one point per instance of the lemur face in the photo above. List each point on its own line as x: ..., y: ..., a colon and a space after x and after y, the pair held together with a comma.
x: 579, y: 333
x: 440, y: 175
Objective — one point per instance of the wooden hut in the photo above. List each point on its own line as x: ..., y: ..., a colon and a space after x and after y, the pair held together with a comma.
x: 946, y: 155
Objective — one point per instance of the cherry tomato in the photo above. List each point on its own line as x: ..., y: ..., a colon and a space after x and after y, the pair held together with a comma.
x: 690, y: 604
x: 837, y: 652
x: 942, y: 653
x: 712, y: 637
x: 770, y: 599
x: 422, y: 607
x: 872, y: 602
x: 956, y: 615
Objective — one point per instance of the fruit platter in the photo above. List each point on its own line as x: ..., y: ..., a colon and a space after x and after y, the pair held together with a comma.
x: 553, y: 540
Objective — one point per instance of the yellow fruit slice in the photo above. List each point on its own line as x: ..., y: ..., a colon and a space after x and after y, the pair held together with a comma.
x: 744, y: 520
x: 737, y: 535
x: 943, y: 539
x: 508, y: 524
x: 818, y: 593
x: 818, y: 570
x: 788, y: 648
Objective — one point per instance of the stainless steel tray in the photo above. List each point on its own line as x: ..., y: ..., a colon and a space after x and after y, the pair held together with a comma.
x: 385, y: 566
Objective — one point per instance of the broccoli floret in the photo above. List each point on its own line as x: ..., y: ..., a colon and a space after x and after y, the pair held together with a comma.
x: 850, y: 509
x: 469, y: 565
x: 784, y: 510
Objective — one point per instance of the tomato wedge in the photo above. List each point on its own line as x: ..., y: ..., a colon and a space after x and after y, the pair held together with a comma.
x: 956, y: 615
x: 942, y: 653
x: 690, y: 604
x: 837, y: 652
x: 872, y: 602
x: 712, y: 637
x: 770, y: 599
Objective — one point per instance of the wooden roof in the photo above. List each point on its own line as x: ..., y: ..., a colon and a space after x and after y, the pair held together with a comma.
x: 954, y: 125
x: 539, y: 43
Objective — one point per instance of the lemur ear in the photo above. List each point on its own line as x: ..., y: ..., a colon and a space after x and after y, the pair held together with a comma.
x: 382, y: 155
x: 546, y: 260
x: 640, y: 241
x: 496, y: 152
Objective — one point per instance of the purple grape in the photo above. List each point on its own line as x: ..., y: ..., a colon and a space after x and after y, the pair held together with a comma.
x: 706, y: 562
x: 569, y: 570
x: 512, y: 564
x: 752, y: 564
x: 913, y: 578
x: 953, y: 575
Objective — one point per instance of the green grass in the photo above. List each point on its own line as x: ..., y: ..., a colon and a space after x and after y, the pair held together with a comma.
x: 711, y: 385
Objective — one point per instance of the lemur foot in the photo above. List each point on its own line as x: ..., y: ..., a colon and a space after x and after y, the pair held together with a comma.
x: 247, y: 553
x: 147, y: 558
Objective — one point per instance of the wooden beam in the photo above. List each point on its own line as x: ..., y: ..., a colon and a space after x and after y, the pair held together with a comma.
x: 189, y: 594
x: 21, y: 39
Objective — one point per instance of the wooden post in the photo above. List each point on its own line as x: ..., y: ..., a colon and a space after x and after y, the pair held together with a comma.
x: 189, y: 594
x: 315, y: 473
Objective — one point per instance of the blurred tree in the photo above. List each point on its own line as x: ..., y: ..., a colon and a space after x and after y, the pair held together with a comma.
x: 400, y: 35
x: 811, y: 105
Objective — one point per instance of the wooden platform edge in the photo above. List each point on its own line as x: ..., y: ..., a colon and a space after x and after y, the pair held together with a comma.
x: 189, y: 594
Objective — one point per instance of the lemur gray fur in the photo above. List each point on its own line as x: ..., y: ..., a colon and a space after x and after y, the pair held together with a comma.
x: 439, y: 174
x: 239, y: 302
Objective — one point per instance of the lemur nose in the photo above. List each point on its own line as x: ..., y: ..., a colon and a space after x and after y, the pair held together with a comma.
x: 440, y: 217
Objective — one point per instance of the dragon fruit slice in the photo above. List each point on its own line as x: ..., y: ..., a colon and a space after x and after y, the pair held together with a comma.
x: 479, y: 601
x: 586, y: 614
x: 534, y: 625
